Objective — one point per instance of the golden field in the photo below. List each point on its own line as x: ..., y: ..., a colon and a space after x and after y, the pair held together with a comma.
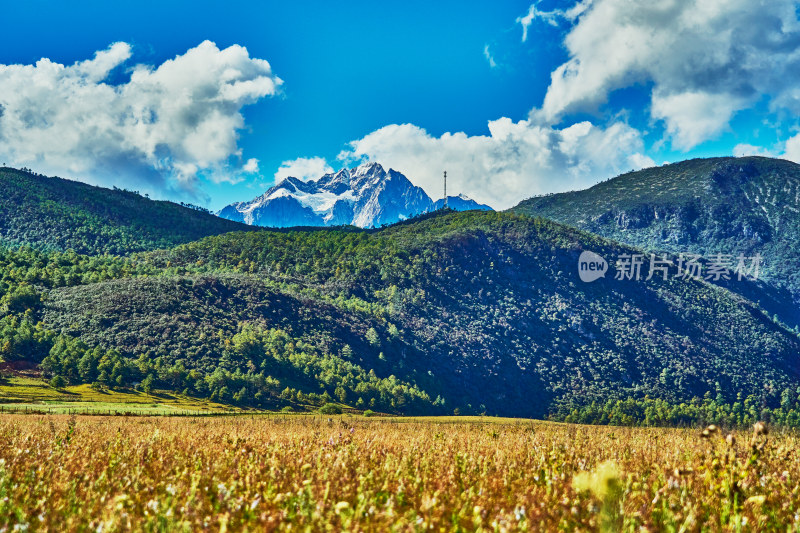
x: 62, y: 473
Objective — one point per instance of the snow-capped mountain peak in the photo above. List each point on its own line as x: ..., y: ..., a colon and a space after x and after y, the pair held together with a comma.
x: 364, y: 196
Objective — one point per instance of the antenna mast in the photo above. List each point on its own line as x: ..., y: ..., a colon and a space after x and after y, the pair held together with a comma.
x: 445, y: 189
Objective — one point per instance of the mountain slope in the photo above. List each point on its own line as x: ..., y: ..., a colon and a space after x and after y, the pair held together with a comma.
x: 748, y: 205
x: 483, y: 309
x: 479, y: 311
x: 62, y: 214
x: 365, y: 196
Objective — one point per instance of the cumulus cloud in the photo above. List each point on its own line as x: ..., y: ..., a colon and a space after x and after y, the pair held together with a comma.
x: 693, y: 117
x: 251, y: 167
x: 789, y: 150
x: 704, y: 60
x: 159, y: 129
x: 639, y: 161
x: 515, y: 161
x: 744, y: 150
x: 303, y: 168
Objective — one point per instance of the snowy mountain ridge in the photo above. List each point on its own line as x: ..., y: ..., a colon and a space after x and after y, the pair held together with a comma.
x: 364, y: 196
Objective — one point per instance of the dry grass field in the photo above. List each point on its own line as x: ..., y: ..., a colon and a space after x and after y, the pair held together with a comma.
x: 350, y: 473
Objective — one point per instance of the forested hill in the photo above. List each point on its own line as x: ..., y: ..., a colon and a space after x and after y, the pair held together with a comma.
x: 474, y: 311
x: 59, y: 214
x: 726, y: 205
x: 481, y: 312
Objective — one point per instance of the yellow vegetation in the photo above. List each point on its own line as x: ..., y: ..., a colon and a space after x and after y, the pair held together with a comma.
x: 377, y: 474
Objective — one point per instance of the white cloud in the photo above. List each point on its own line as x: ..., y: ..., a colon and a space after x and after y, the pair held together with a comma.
x: 527, y: 20
x: 98, y: 68
x: 639, y: 161
x: 159, y: 129
x: 744, y: 150
x: 551, y: 17
x: 791, y: 149
x: 251, y: 167
x: 693, y: 117
x: 704, y: 59
x: 515, y: 161
x: 303, y: 168
x: 488, y: 55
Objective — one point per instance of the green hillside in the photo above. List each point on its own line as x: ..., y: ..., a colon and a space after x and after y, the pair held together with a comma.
x: 748, y: 205
x: 61, y: 214
x: 475, y: 311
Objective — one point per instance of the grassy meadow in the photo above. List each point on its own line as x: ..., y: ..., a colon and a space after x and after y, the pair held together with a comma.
x: 380, y: 474
x: 30, y: 395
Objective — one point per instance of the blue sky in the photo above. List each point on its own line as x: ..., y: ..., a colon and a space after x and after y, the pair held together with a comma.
x: 594, y: 89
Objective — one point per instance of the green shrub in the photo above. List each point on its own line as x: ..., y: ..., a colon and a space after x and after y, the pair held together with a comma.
x: 369, y: 412
x: 330, y: 409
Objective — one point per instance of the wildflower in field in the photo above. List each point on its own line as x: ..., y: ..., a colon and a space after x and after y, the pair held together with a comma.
x: 255, y: 503
x: 519, y: 513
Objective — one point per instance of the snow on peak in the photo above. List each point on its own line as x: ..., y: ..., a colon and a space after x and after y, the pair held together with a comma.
x: 365, y: 196
x: 367, y: 167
